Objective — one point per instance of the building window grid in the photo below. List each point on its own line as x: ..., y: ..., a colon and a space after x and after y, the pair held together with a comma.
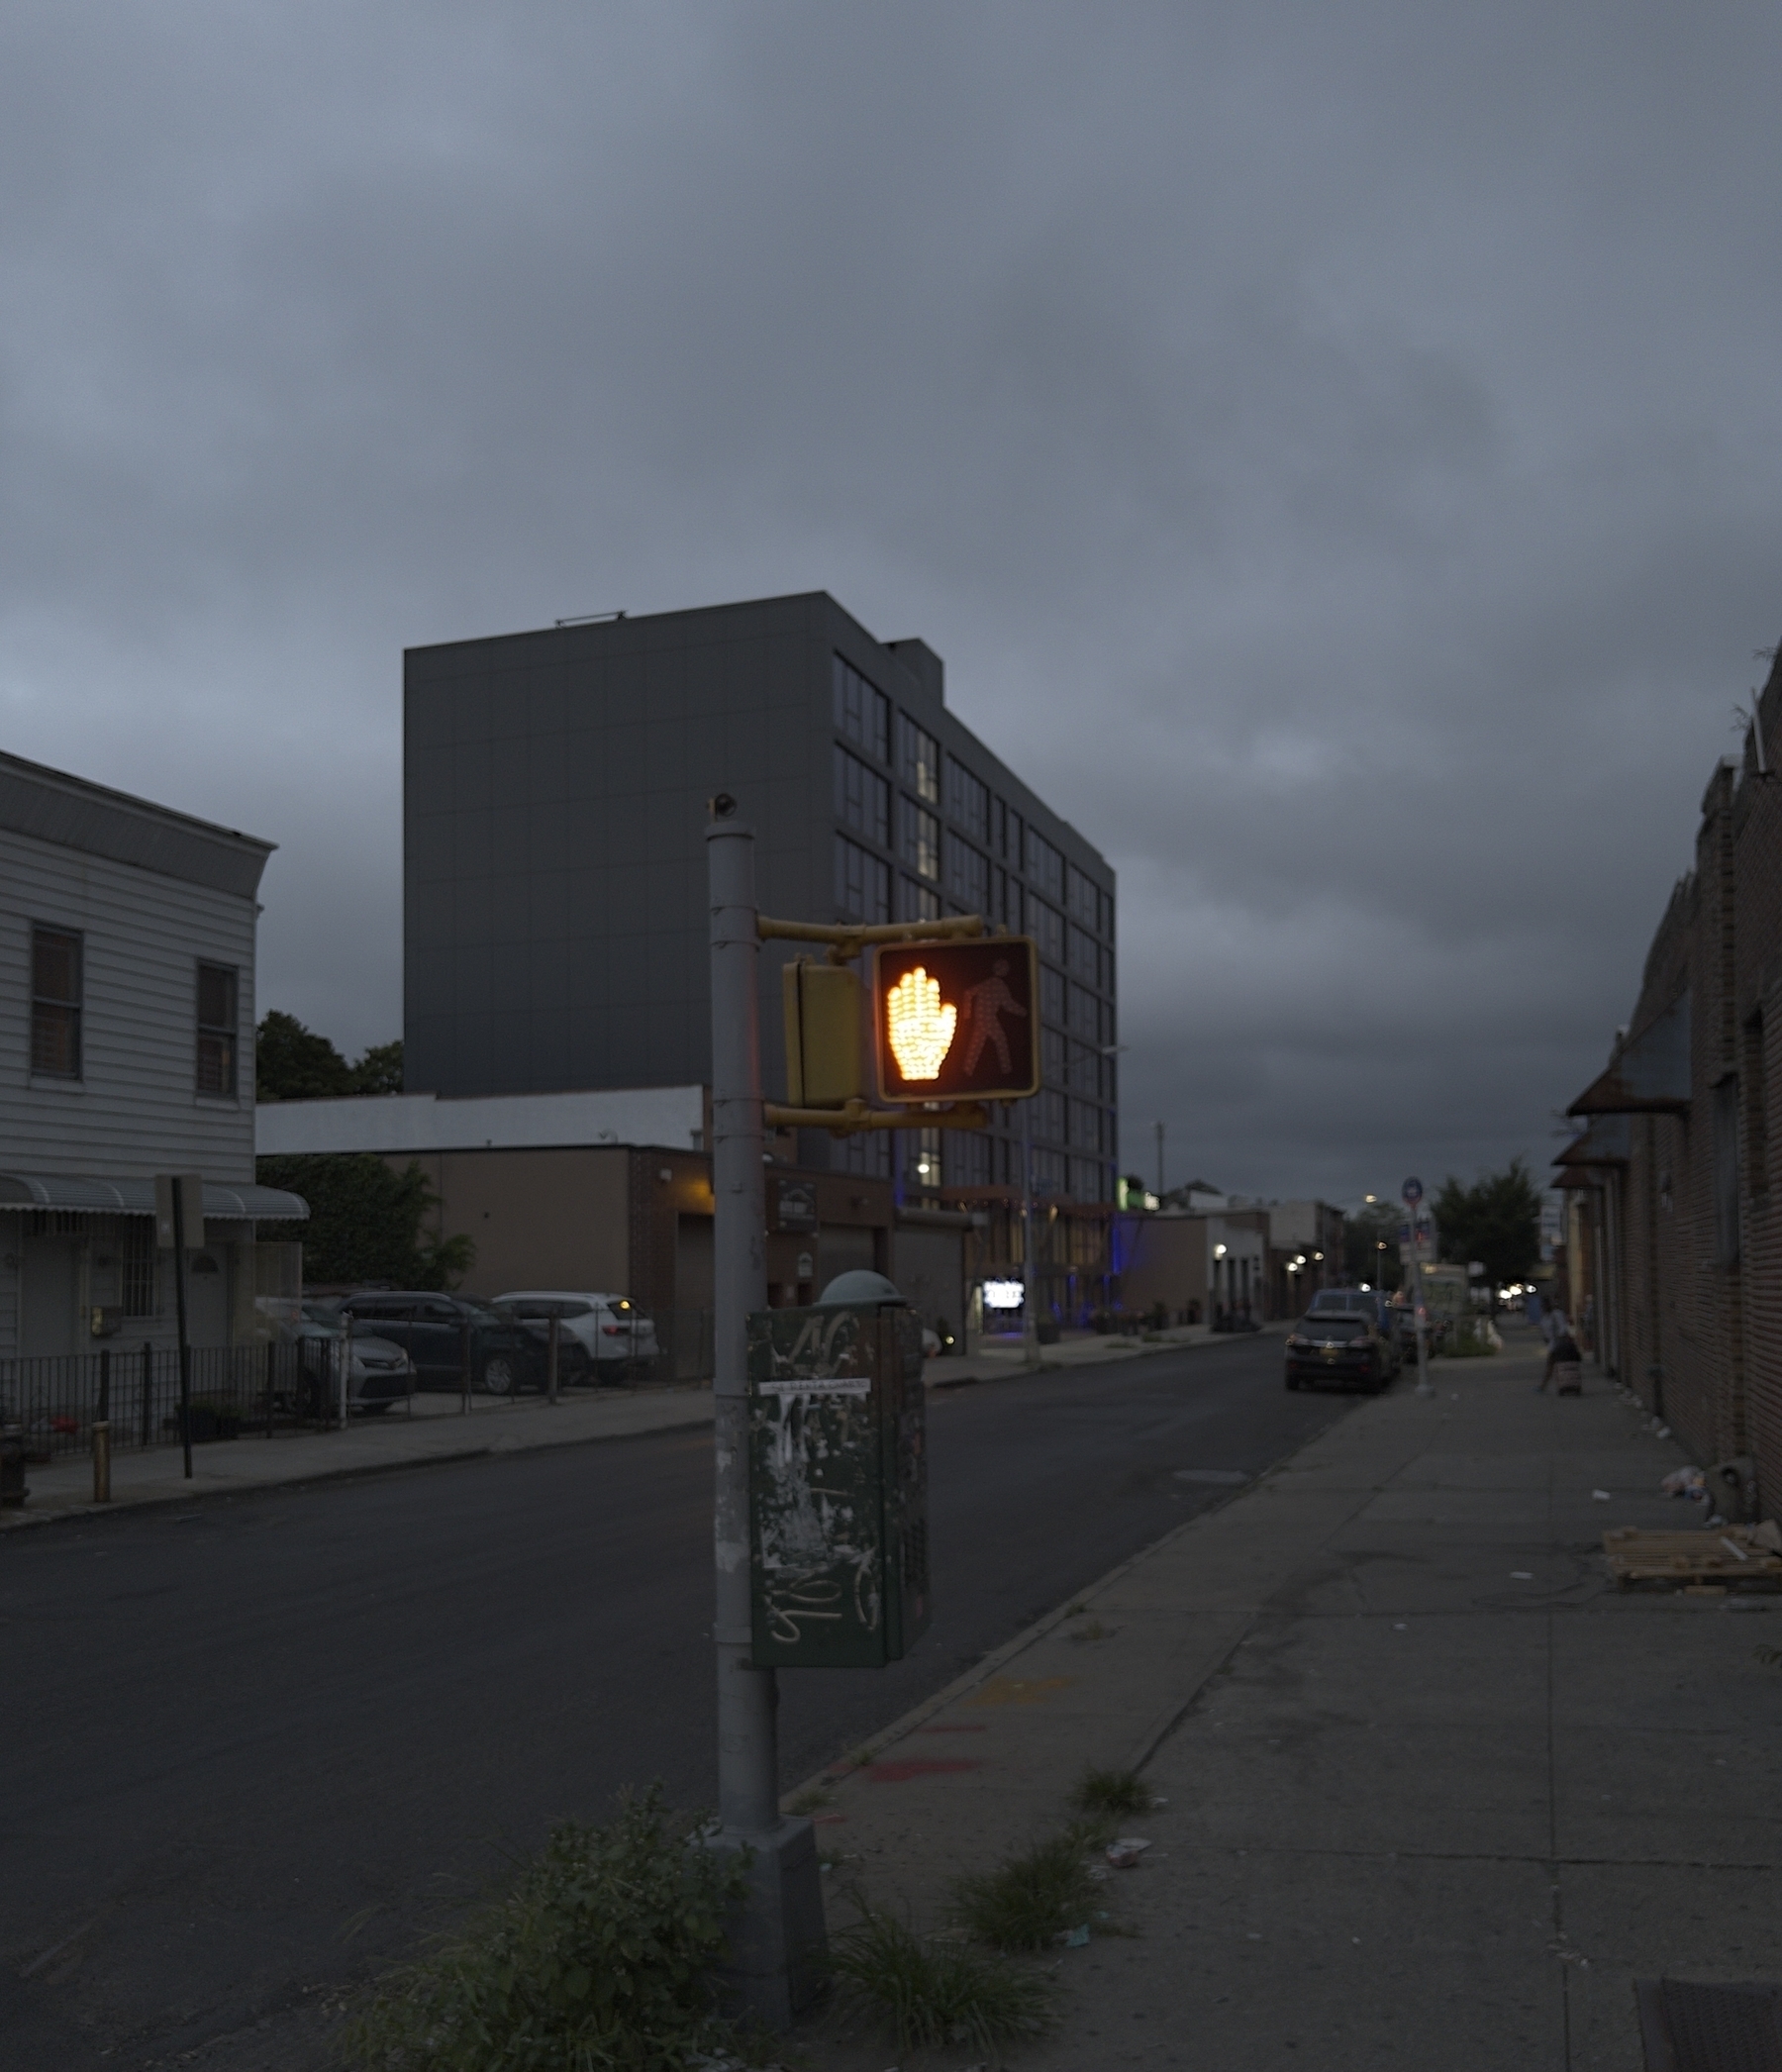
x: 863, y: 799
x: 967, y: 800
x: 862, y: 712
x: 57, y: 997
x: 918, y: 838
x: 862, y: 883
x: 967, y: 874
x: 919, y: 760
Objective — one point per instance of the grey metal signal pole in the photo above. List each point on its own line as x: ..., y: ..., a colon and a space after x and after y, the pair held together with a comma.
x: 777, y: 1940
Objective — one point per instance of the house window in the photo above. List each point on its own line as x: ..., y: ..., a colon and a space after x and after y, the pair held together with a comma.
x: 1085, y: 955
x: 922, y: 1154
x: 918, y: 838
x: 862, y: 884
x: 919, y: 760
x: 217, y: 1026
x: 1052, y: 993
x: 863, y: 799
x: 967, y: 800
x: 1046, y: 926
x: 136, y: 1265
x: 56, y: 1003
x: 861, y: 713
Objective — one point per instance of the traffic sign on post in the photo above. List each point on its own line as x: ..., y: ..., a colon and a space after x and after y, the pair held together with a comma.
x: 1412, y: 1191
x: 956, y: 1020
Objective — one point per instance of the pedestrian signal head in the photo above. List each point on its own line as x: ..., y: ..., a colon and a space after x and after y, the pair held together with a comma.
x: 956, y: 1020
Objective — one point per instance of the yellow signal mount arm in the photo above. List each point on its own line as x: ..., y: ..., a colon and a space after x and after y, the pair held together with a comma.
x: 844, y: 944
x: 843, y: 1122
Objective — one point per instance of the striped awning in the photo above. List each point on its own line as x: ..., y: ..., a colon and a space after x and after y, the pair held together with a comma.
x: 85, y: 1196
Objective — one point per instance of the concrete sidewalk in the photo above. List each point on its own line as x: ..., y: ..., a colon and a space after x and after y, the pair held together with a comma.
x: 1436, y: 1791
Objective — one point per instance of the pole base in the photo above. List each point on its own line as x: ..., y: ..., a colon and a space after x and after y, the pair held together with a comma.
x: 777, y: 1938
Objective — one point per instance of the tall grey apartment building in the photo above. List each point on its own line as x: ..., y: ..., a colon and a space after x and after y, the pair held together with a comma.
x: 555, y: 789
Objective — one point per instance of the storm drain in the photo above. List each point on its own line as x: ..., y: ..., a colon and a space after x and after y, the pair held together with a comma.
x: 1687, y: 2028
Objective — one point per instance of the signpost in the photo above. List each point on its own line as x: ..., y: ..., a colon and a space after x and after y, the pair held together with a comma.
x: 178, y: 1210
x: 1412, y: 1192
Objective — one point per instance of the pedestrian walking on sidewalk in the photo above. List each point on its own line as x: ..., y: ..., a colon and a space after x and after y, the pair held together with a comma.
x: 1564, y: 1364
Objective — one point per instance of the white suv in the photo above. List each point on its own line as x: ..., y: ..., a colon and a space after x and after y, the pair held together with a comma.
x: 599, y: 1335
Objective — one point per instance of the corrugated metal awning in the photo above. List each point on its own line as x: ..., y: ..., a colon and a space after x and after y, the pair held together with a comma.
x: 83, y: 1196
x: 1648, y: 1073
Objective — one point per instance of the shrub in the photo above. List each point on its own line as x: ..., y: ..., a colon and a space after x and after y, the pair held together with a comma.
x: 597, y: 1958
x: 1026, y: 1903
x: 927, y: 1992
x: 1116, y: 1791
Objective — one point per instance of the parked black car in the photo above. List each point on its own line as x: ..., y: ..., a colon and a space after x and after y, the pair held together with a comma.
x: 1343, y: 1347
x: 434, y: 1330
x: 1365, y: 1302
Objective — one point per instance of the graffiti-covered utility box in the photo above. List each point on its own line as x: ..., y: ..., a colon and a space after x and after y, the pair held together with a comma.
x: 838, y: 1485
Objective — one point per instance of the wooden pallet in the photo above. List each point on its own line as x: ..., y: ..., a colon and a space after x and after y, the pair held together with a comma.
x: 1717, y: 1553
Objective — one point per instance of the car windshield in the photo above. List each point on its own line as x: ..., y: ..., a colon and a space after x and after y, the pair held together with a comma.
x: 1335, y: 1326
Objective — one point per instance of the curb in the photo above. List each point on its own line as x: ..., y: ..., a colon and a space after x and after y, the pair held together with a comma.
x: 361, y: 1471
x: 1045, y: 1366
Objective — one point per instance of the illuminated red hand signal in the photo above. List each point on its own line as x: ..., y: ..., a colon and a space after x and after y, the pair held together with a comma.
x: 956, y: 1020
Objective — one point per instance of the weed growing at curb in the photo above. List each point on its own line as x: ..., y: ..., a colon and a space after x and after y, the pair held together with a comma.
x: 1028, y: 1902
x: 927, y: 1992
x: 1116, y: 1791
x: 599, y: 1955
x: 814, y: 1798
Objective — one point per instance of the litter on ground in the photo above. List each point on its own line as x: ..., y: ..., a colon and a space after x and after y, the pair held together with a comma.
x: 1746, y: 1553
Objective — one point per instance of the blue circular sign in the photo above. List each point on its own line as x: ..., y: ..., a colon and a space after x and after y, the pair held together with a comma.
x: 1412, y: 1190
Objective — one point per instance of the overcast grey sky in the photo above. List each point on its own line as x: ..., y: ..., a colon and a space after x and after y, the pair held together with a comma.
x: 1334, y: 448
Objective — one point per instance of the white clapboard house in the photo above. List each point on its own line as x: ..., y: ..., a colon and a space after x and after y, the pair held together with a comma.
x: 127, y: 939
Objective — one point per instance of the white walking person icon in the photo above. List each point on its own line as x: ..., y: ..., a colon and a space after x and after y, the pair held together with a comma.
x: 982, y: 1009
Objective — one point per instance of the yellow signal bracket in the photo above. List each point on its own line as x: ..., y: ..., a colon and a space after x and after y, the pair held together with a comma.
x: 856, y: 1116
x: 847, y: 943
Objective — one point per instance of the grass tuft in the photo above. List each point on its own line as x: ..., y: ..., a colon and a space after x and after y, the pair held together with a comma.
x: 1029, y: 1901
x: 929, y: 1993
x: 1117, y: 1792
x: 599, y: 1954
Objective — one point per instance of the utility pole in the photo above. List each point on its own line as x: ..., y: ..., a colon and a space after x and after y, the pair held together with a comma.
x: 781, y: 1916
x: 1160, y: 1161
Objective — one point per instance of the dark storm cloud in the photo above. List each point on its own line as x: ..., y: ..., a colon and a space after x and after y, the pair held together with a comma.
x: 1335, y: 449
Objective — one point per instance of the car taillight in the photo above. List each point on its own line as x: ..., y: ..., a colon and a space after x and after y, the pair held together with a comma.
x: 613, y: 1331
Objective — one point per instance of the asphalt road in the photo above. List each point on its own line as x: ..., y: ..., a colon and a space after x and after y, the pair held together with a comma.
x: 250, y: 1746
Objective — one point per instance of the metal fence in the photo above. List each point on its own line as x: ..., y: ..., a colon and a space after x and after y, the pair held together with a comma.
x: 236, y: 1391
x: 252, y: 1391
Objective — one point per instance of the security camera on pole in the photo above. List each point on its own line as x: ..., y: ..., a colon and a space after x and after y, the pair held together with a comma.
x: 1413, y: 1194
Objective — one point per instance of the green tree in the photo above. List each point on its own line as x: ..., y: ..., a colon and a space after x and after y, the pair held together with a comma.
x: 367, y: 1221
x: 1364, y: 1233
x: 294, y: 1063
x: 1497, y: 1220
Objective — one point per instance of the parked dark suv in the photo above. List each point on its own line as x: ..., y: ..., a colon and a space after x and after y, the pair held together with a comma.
x: 1341, y: 1345
x: 433, y: 1329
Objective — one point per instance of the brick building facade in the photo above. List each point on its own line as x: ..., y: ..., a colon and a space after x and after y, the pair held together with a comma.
x: 1673, y: 1239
